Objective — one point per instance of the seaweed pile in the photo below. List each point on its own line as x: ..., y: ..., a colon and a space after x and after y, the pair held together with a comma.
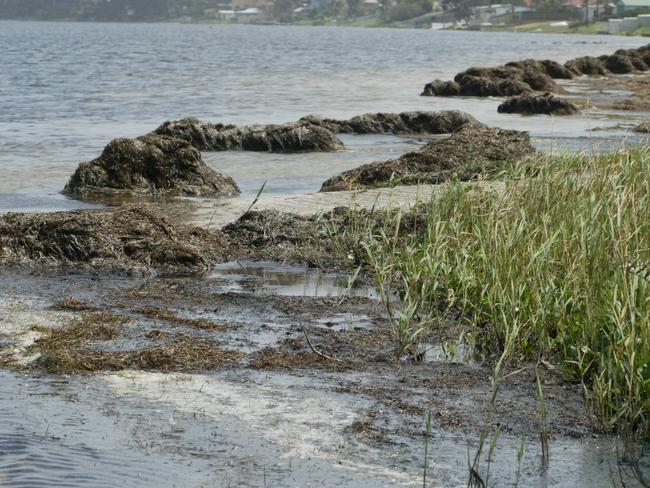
x: 533, y: 103
x: 520, y: 77
x: 148, y: 165
x: 420, y: 122
x: 472, y: 150
x: 131, y: 237
x: 299, y: 136
x: 522, y: 80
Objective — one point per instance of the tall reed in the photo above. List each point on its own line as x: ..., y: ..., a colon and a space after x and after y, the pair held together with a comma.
x: 555, y: 265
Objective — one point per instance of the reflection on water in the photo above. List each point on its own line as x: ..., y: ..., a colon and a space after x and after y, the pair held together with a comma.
x: 286, y: 281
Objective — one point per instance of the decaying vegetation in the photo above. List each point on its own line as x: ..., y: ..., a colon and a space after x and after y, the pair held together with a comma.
x: 130, y: 237
x: 472, y: 151
x: 150, y: 165
x: 299, y: 136
x: 78, y: 348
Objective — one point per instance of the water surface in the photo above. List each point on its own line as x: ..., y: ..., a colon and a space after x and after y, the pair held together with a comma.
x: 67, y: 89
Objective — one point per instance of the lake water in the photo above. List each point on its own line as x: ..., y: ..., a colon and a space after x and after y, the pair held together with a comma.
x: 67, y: 89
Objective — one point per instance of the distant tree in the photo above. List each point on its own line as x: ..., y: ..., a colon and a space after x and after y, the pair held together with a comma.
x: 463, y: 10
x: 549, y: 5
x: 283, y: 10
x: 407, y: 9
x: 336, y: 9
x: 354, y: 8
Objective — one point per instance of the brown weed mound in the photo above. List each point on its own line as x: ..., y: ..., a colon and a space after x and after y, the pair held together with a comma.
x: 529, y: 75
x: 468, y: 152
x: 419, y: 122
x: 131, y: 237
x: 148, y: 165
x: 586, y: 65
x: 537, y: 104
x: 300, y: 136
x: 493, y: 82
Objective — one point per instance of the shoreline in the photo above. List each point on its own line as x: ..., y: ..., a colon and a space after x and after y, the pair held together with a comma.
x: 515, y: 29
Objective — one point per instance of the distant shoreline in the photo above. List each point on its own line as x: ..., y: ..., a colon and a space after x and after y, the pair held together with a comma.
x: 539, y: 28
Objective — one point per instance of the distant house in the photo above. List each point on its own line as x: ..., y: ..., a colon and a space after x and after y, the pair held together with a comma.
x: 247, y: 14
x: 226, y: 15
x: 633, y: 5
x: 247, y: 4
x: 594, y: 9
x: 495, y: 13
x: 239, y: 15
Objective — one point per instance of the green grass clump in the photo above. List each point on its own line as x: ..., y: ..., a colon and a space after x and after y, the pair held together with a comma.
x: 553, y: 267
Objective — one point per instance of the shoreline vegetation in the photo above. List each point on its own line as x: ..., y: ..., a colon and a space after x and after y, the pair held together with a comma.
x: 471, y: 15
x: 553, y: 269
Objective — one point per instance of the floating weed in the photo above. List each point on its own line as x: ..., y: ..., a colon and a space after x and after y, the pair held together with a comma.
x: 72, y: 349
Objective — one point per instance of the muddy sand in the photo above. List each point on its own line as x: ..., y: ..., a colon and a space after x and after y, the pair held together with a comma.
x: 296, y: 365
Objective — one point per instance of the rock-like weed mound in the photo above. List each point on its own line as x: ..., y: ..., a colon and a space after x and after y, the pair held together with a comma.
x: 537, y: 104
x: 529, y: 75
x: 467, y: 153
x: 493, y: 82
x: 419, y: 122
x: 130, y: 237
x: 294, y: 137
x: 148, y: 165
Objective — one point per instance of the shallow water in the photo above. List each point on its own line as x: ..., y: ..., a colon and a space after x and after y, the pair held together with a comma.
x: 67, y: 89
x: 243, y: 429
x: 283, y: 280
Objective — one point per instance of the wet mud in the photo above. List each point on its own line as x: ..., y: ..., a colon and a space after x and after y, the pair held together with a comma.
x: 294, y: 365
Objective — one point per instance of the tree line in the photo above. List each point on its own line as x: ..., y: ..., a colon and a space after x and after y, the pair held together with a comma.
x: 103, y: 10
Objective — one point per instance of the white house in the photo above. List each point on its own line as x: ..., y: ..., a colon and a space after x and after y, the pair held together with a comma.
x: 630, y: 5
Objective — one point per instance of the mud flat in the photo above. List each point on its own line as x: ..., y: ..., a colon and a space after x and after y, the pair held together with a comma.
x: 311, y: 391
x: 214, y: 214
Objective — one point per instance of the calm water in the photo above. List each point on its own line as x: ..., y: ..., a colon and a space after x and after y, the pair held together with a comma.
x: 67, y: 89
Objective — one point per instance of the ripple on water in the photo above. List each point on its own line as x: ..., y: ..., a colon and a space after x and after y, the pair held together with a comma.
x: 55, y: 433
